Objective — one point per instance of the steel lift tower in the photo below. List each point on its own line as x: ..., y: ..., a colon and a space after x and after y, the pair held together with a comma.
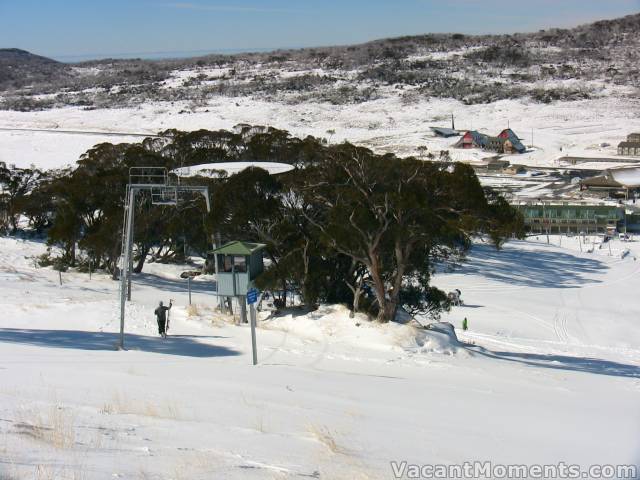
x: 156, y: 182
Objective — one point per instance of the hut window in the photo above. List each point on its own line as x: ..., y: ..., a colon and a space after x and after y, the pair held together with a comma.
x: 225, y: 263
x: 240, y: 264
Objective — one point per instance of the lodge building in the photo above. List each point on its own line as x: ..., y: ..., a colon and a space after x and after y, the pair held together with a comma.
x: 631, y: 146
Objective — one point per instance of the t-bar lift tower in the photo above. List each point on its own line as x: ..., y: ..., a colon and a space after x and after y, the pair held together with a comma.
x: 156, y: 182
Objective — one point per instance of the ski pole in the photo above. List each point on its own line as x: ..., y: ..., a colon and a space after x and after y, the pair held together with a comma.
x: 169, y: 314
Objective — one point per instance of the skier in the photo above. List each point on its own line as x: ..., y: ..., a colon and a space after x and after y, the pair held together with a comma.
x: 162, y: 318
x: 465, y: 324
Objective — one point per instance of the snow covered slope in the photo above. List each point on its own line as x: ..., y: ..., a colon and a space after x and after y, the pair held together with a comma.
x: 386, y: 125
x: 550, y: 373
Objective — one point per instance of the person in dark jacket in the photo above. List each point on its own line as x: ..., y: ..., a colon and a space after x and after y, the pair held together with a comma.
x: 161, y: 315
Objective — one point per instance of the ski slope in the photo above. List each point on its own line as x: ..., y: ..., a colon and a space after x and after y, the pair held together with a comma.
x: 549, y: 371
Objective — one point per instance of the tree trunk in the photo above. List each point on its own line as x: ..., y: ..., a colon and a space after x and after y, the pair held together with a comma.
x: 389, y: 311
x: 144, y: 251
x: 356, y: 288
x: 391, y: 308
x: 388, y: 301
x: 378, y: 287
x: 284, y: 293
x: 72, y: 253
x: 113, y: 261
x: 308, y: 301
x: 356, y: 300
x: 14, y: 223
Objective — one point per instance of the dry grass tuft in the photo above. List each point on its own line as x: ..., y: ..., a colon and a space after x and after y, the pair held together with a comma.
x: 197, y: 464
x: 49, y: 472
x: 259, y: 424
x: 325, y: 437
x: 54, y: 426
x: 193, y: 310
x: 121, y: 404
x: 5, y: 474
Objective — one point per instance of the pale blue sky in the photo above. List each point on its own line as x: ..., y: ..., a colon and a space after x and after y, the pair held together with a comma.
x: 69, y: 29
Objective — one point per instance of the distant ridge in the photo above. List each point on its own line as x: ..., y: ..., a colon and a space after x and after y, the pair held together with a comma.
x: 17, y: 56
x: 19, y: 67
x: 544, y: 66
x: 589, y: 35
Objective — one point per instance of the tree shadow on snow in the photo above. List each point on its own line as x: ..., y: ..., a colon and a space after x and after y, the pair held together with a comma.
x: 181, y: 345
x: 171, y: 285
x: 564, y: 362
x: 532, y: 268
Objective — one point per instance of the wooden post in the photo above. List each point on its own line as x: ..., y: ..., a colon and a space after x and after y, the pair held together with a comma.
x: 243, y: 308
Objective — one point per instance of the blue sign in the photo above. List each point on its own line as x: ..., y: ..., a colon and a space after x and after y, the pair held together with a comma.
x: 252, y: 296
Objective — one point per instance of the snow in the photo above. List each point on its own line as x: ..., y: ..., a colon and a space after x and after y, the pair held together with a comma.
x: 442, y: 55
x: 332, y: 322
x: 47, y: 150
x: 548, y: 371
x: 230, y: 168
x: 629, y: 177
x: 386, y: 125
x: 439, y: 338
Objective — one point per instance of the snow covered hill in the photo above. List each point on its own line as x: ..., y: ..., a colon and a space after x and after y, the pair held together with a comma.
x: 590, y: 128
x: 549, y: 371
x: 556, y: 89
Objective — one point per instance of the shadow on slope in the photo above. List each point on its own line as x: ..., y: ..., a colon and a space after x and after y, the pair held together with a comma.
x: 172, y: 285
x: 564, y: 362
x: 532, y: 268
x: 181, y: 345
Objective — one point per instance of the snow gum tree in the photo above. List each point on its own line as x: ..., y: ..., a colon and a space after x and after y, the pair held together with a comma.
x: 397, y: 217
x: 345, y: 226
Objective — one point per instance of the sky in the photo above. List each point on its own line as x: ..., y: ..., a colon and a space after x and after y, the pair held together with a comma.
x: 71, y: 30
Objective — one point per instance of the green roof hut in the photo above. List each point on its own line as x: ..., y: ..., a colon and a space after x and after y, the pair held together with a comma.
x: 238, y: 265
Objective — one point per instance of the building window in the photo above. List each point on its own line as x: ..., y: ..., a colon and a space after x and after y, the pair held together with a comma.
x: 240, y: 264
x: 225, y: 263
x: 231, y: 263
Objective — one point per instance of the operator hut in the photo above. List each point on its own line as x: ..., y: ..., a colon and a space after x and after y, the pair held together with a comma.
x: 238, y: 265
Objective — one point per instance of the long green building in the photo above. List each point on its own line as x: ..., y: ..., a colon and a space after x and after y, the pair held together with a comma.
x: 572, y: 218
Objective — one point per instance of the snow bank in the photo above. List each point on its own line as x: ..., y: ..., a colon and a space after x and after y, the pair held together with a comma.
x: 438, y: 338
x: 629, y: 177
x: 331, y: 323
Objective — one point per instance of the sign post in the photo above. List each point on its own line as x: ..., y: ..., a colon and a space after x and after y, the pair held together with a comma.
x: 252, y: 297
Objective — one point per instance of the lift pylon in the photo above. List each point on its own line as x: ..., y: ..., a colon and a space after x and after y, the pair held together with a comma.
x: 155, y: 181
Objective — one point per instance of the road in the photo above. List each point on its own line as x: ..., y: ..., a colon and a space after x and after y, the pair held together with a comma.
x: 80, y: 132
x: 575, y: 160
